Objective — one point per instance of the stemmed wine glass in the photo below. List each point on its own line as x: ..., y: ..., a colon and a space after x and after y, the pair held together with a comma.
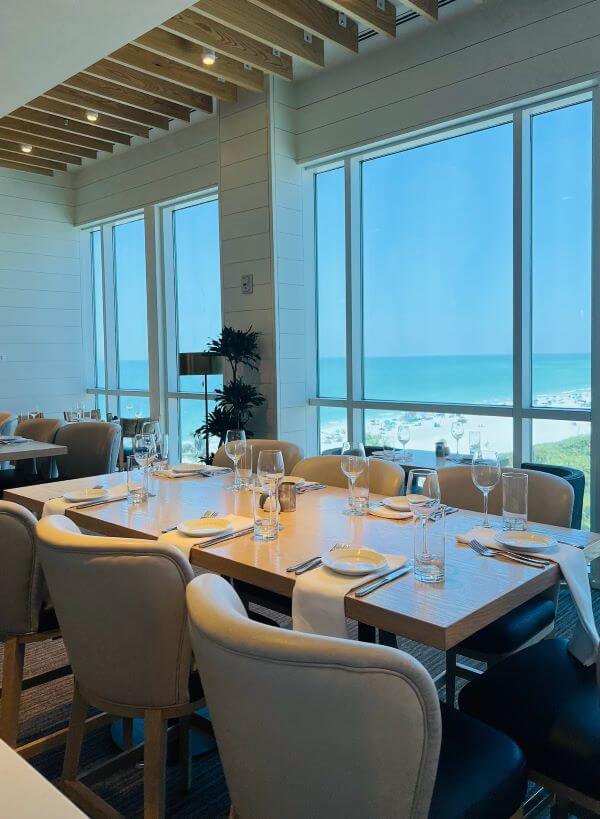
x: 270, y: 468
x: 404, y: 438
x: 485, y: 472
x: 144, y: 452
x: 458, y: 430
x: 235, y: 446
x: 354, y: 463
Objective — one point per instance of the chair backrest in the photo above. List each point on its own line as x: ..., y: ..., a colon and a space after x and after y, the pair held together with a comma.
x: 292, y: 453
x: 8, y: 423
x: 134, y: 426
x: 550, y: 498
x: 121, y: 607
x: 93, y: 449
x: 21, y: 579
x: 384, y: 478
x: 38, y: 429
x: 313, y: 726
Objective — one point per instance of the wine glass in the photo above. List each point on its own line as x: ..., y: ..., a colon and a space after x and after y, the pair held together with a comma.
x: 485, y: 472
x: 423, y: 494
x: 235, y: 446
x: 458, y: 430
x: 144, y: 453
x: 354, y: 463
x: 270, y: 467
x: 404, y: 438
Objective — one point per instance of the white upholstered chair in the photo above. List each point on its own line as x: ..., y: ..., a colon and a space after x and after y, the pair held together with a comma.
x: 384, y: 478
x: 291, y: 453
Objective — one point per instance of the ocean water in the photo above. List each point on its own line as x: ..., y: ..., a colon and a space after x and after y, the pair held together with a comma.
x: 468, y: 379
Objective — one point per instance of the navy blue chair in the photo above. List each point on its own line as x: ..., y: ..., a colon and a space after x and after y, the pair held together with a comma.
x: 573, y: 476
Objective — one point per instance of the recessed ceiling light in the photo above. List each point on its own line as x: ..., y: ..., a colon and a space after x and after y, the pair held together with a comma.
x: 27, y: 149
x: 91, y: 116
x: 209, y: 58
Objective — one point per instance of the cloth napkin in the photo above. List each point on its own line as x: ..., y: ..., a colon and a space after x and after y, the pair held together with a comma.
x: 185, y: 542
x: 58, y: 506
x: 7, y: 440
x: 585, y: 641
x: 318, y: 598
x: 204, y: 471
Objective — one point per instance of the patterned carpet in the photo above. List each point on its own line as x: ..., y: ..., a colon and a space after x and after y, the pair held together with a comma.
x: 47, y: 708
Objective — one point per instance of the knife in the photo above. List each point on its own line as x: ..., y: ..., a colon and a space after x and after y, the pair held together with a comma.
x: 382, y: 581
x: 214, y: 541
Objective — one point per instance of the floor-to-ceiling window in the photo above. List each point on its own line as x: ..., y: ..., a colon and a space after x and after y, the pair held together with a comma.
x: 144, y: 313
x: 443, y: 295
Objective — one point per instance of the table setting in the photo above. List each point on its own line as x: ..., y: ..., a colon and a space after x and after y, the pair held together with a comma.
x: 11, y: 440
x: 87, y: 494
x: 207, y: 530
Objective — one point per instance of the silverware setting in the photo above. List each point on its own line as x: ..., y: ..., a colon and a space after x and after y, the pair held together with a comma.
x: 208, y: 514
x: 203, y: 544
x: 526, y: 560
x: 314, y: 562
x: 366, y: 588
x: 300, y: 490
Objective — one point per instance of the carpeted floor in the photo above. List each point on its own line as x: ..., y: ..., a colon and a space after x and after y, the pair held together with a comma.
x: 47, y: 708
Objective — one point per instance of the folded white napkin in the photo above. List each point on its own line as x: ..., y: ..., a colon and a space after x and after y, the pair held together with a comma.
x: 204, y: 471
x: 318, y: 598
x: 585, y: 641
x: 185, y: 542
x: 389, y: 514
x: 58, y: 506
x: 13, y: 439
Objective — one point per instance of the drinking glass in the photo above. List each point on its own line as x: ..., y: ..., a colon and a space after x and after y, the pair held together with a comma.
x: 361, y: 491
x: 423, y: 492
x: 235, y: 446
x: 474, y: 442
x: 270, y: 468
x: 514, y: 501
x: 265, y: 508
x: 245, y: 466
x: 354, y: 463
x: 458, y: 430
x: 144, y: 450
x: 485, y: 472
x: 404, y: 438
x: 137, y: 481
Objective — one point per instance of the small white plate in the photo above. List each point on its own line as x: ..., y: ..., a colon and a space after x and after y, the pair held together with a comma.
x: 77, y: 495
x: 191, y: 468
x: 355, y: 561
x: 204, y: 527
x: 399, y: 503
x: 524, y: 541
x: 389, y: 514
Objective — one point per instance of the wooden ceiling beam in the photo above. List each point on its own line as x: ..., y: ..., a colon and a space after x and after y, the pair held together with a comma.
x: 113, y: 92
x: 266, y: 28
x: 34, y: 159
x: 71, y: 125
x: 209, y: 33
x: 33, y: 129
x: 174, y: 72
x: 427, y: 8
x: 369, y: 14
x: 15, y: 148
x: 55, y: 145
x: 313, y: 16
x: 95, y: 103
x: 64, y: 109
x: 18, y: 166
x: 124, y: 75
x: 188, y: 53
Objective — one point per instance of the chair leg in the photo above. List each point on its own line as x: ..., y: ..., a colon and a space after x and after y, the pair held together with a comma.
x: 12, y: 684
x: 560, y: 808
x: 127, y: 733
x: 451, y: 676
x: 75, y: 735
x: 185, y: 756
x: 155, y: 761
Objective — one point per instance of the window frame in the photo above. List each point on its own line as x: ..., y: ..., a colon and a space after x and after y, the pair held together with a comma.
x: 522, y: 410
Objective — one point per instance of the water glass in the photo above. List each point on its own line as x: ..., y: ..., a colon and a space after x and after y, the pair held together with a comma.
x: 137, y: 482
x: 514, y: 501
x: 245, y: 467
x: 265, y: 508
x: 474, y: 442
x: 423, y: 492
x: 354, y: 463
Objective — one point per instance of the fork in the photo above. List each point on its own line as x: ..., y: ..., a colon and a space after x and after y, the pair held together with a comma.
x: 537, y: 563
x: 210, y: 514
x: 306, y: 565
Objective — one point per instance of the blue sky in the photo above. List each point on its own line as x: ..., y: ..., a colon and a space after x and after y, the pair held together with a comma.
x: 437, y: 244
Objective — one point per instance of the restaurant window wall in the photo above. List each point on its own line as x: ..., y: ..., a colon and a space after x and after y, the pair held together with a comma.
x: 470, y: 289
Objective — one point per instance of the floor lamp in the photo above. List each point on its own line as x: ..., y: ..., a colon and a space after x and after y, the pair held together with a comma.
x: 201, y: 364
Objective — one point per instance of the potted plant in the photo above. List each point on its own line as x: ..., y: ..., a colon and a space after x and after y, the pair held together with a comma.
x: 238, y: 399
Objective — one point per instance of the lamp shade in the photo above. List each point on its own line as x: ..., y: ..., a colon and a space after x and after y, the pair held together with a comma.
x: 200, y: 364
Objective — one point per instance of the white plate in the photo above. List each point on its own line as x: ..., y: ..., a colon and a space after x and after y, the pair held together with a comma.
x: 355, y: 561
x: 77, y: 495
x: 389, y: 514
x: 204, y: 527
x: 524, y: 541
x: 192, y: 468
x: 399, y: 503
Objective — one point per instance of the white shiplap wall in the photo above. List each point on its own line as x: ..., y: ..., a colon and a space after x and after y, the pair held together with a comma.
x: 41, y: 344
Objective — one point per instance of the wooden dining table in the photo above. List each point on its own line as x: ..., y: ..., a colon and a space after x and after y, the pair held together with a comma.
x: 475, y: 592
x: 30, y: 449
